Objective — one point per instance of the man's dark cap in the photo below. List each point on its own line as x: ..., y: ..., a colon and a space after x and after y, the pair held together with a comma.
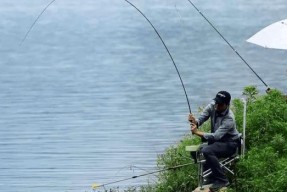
x: 222, y: 97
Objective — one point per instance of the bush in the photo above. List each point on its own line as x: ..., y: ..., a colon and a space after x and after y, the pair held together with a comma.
x: 182, y: 179
x: 264, y: 166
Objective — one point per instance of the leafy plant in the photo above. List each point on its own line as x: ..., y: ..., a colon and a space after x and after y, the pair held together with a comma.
x: 250, y: 92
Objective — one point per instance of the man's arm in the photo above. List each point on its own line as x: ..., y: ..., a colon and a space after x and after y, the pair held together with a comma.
x: 218, y: 134
x: 195, y: 130
x: 203, y: 116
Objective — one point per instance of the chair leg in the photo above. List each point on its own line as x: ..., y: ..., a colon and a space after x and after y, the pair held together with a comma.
x: 200, y: 174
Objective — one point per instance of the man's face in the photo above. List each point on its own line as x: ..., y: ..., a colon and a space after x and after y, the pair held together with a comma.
x: 220, y: 107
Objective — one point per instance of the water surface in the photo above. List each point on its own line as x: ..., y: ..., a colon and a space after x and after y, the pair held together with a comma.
x: 92, y: 95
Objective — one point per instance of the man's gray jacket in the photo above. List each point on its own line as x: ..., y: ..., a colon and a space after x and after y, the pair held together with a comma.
x: 223, y: 126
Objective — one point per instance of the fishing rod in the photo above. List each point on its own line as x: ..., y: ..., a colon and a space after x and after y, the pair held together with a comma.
x: 167, y: 52
x: 94, y: 186
x: 228, y: 43
x: 38, y: 17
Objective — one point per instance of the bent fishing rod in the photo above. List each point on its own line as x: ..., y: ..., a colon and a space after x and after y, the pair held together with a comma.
x: 166, y: 50
x: 228, y: 43
x: 31, y: 27
x: 94, y: 186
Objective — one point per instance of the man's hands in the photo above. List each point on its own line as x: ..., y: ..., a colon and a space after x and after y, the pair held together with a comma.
x: 191, y: 118
x: 193, y: 128
x: 195, y: 131
x: 193, y: 123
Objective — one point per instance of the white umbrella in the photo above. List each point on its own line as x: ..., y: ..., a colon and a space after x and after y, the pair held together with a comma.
x: 273, y: 36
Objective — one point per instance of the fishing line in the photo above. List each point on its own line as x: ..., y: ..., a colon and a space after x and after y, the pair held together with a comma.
x: 228, y: 43
x: 31, y: 27
x: 94, y: 186
x: 167, y: 52
x: 178, y: 12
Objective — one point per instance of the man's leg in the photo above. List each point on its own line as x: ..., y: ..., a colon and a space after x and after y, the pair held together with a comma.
x: 211, y: 154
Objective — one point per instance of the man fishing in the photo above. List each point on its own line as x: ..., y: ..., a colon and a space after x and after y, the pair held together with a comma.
x: 223, y: 139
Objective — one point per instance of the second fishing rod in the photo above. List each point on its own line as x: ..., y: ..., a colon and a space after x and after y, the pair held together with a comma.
x: 220, y: 34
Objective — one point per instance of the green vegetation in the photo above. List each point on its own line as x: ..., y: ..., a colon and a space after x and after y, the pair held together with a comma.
x: 264, y: 167
x: 265, y: 163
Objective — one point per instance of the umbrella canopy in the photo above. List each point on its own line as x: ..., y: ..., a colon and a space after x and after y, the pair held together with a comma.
x: 273, y: 36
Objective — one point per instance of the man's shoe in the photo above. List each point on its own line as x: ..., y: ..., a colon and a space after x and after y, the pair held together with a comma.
x: 219, y: 184
x: 208, y: 181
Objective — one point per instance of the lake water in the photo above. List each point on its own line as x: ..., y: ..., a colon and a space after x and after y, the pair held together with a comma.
x: 92, y: 96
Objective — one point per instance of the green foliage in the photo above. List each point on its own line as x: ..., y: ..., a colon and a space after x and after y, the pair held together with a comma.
x: 262, y: 168
x: 238, y: 108
x: 250, y: 92
x: 265, y: 163
x: 183, y: 179
x: 266, y: 117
